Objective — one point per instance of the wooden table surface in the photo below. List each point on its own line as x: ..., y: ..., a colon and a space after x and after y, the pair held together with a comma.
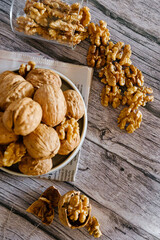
x: 119, y: 172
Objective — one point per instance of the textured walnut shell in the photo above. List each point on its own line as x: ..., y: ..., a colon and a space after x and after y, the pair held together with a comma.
x: 22, y: 116
x: 31, y: 166
x: 12, y: 88
x: 62, y: 211
x: 75, y: 104
x: 42, y: 143
x: 53, y: 104
x: 66, y: 147
x: 53, y: 195
x: 6, y: 137
x: 39, y: 76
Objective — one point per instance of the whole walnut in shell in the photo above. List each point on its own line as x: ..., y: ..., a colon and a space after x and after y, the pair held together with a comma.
x: 42, y: 143
x: 22, y: 116
x: 12, y: 88
x: 68, y: 132
x: 53, y: 104
x: 6, y: 137
x: 74, y: 210
x: 31, y: 166
x: 39, y: 76
x: 75, y: 104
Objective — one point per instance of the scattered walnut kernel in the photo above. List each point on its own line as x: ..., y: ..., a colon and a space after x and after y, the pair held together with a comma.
x: 99, y: 35
x: 112, y: 74
x: 137, y: 96
x: 96, y: 57
x: 129, y: 119
x: 133, y: 76
x: 93, y: 227
x: 118, y: 52
x: 111, y: 95
x: 13, y: 154
x: 25, y: 69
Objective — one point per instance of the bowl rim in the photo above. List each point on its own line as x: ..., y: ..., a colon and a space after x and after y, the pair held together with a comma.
x: 75, y: 151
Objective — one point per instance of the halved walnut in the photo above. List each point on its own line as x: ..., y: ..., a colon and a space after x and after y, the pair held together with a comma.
x: 74, y: 210
x: 13, y: 154
x: 68, y: 132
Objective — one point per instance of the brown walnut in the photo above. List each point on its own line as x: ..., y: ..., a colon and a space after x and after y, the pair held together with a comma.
x: 22, y: 116
x: 42, y: 143
x: 53, y: 104
x: 12, y: 88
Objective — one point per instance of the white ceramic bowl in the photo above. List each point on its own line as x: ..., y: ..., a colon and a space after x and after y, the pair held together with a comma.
x: 59, y: 161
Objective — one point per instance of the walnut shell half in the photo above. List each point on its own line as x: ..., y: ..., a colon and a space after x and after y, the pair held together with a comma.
x: 75, y: 104
x: 74, y: 210
x: 6, y: 137
x: 31, y: 166
x: 53, y: 104
x: 12, y: 88
x: 42, y: 143
x: 22, y: 116
x: 39, y: 76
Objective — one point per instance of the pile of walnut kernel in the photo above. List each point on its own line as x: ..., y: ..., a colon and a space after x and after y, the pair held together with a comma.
x: 123, y: 81
x: 74, y: 210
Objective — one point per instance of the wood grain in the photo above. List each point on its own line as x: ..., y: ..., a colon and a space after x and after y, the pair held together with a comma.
x: 119, y: 172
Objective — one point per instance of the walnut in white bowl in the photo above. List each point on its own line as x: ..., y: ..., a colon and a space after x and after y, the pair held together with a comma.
x: 42, y: 143
x: 22, y: 116
x: 75, y: 104
x: 39, y: 76
x: 53, y: 104
x: 12, y: 88
x: 31, y: 166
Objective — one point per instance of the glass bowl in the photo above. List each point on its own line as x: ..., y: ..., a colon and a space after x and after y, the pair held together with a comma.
x: 49, y: 20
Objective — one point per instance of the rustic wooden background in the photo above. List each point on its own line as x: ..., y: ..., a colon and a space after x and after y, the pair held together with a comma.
x: 119, y: 172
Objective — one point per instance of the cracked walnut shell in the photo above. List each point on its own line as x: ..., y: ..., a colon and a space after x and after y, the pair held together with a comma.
x: 42, y: 143
x: 39, y: 76
x: 31, y: 166
x: 22, y: 116
x: 68, y: 132
x: 6, y: 137
x: 42, y: 209
x: 12, y: 88
x: 53, y: 104
x: 74, y: 210
x: 75, y: 104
